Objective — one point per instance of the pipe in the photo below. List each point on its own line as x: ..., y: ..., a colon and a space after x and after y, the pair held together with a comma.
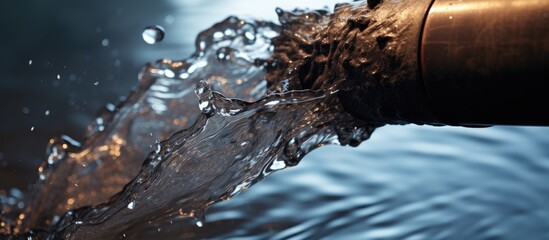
x: 487, y: 61
x: 452, y: 62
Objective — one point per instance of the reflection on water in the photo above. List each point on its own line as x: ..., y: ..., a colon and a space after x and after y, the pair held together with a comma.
x: 406, y: 182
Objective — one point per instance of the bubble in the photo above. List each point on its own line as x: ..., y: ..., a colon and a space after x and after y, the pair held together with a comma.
x: 153, y: 34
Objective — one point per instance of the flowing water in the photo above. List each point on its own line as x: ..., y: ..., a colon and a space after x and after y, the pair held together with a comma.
x: 228, y: 124
x: 226, y: 144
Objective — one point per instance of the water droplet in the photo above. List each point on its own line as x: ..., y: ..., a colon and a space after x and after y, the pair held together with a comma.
x: 153, y: 34
x: 30, y: 62
x: 105, y: 42
x: 96, y: 83
x: 169, y: 19
x: 47, y: 113
x: 58, y: 76
x: 111, y: 107
x: 32, y: 128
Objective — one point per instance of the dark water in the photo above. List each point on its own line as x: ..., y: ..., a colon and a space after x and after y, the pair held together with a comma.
x: 407, y: 182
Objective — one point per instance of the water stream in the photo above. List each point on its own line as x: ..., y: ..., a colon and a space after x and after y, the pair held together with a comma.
x: 231, y: 132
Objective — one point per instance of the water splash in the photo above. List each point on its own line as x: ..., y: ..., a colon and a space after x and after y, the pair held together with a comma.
x: 231, y: 146
x: 163, y: 103
x: 237, y: 134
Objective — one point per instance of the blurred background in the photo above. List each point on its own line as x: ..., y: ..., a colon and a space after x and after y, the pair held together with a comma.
x: 406, y: 182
